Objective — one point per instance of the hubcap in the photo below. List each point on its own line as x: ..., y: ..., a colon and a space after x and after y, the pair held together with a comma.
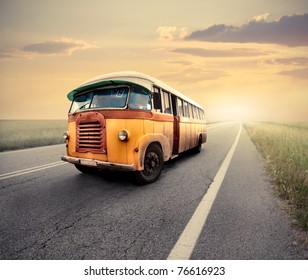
x: 151, y: 163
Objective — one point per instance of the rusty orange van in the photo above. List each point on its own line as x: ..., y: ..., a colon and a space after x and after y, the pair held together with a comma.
x: 132, y: 122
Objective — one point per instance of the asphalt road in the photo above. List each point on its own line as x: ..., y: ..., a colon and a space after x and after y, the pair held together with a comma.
x: 49, y: 210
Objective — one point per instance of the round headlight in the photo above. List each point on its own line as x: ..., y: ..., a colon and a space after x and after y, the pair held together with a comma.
x: 66, y: 135
x: 123, y: 135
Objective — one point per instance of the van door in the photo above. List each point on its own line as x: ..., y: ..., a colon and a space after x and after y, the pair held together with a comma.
x: 176, y: 125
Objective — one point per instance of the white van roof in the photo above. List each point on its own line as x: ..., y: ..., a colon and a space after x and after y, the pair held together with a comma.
x: 135, y: 78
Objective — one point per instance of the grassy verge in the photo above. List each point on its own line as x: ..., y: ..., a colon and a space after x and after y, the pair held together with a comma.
x: 285, y: 150
x: 19, y: 134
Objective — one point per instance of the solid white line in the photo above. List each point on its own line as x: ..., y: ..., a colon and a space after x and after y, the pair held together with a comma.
x: 188, y: 239
x: 212, y: 126
x: 30, y: 170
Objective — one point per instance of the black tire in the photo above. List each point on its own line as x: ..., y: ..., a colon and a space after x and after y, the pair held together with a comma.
x: 153, y: 165
x: 197, y: 149
x: 86, y: 169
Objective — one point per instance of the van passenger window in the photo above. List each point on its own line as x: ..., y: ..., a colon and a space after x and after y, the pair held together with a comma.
x: 186, y: 112
x: 190, y: 111
x: 174, y: 105
x: 196, y: 112
x: 180, y: 107
x: 157, y: 100
x: 167, y: 108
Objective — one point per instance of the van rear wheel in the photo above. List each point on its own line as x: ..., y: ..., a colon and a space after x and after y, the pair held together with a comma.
x: 153, y: 165
x: 198, y: 148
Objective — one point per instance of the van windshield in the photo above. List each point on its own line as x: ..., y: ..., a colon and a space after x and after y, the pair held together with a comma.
x: 121, y: 97
x: 101, y: 98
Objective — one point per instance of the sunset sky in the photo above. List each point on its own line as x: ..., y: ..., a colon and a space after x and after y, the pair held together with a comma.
x: 240, y: 59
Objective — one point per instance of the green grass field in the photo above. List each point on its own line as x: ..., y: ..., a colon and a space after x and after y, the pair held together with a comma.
x: 285, y: 150
x: 19, y: 134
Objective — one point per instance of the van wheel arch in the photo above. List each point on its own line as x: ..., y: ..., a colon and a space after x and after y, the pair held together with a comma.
x: 153, y: 164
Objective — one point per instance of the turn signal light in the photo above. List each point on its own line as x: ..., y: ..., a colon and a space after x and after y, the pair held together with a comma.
x: 66, y: 135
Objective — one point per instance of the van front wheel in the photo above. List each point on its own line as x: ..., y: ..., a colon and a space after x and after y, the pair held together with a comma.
x: 153, y: 165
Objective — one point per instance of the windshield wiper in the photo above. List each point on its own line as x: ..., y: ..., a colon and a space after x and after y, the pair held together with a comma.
x: 82, y: 107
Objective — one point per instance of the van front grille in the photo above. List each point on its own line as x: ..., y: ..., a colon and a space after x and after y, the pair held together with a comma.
x: 91, y: 136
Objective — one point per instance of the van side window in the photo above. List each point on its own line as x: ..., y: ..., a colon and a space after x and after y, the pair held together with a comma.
x: 186, y: 112
x: 174, y: 102
x: 180, y: 107
x: 201, y: 114
x: 167, y: 108
x: 157, y: 99
x: 196, y: 114
x: 190, y: 110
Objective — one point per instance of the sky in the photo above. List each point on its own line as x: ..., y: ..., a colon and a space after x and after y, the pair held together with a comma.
x: 239, y: 59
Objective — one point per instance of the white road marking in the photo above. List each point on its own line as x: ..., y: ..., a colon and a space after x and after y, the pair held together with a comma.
x: 188, y: 239
x: 215, y: 125
x: 30, y: 170
x: 32, y: 149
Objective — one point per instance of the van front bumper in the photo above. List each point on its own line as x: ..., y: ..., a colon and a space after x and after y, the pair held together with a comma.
x: 99, y: 164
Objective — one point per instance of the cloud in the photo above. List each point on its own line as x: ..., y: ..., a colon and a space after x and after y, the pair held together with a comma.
x: 180, y: 62
x: 193, y: 75
x: 62, y: 46
x: 296, y: 61
x: 297, y: 73
x: 15, y: 53
x: 262, y: 17
x: 170, y: 33
x: 235, y: 52
x: 290, y: 31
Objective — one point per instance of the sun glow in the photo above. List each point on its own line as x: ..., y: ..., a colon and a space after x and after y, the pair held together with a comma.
x: 203, y: 53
